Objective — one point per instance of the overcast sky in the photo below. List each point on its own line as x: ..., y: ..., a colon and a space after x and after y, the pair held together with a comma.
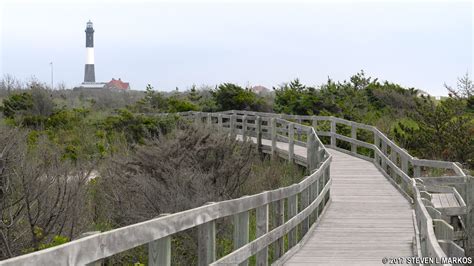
x: 416, y: 44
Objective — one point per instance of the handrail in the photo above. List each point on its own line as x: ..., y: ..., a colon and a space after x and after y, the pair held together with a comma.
x: 397, y: 165
x: 313, y: 191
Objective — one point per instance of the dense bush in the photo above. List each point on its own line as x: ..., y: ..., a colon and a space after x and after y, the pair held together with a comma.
x: 229, y: 96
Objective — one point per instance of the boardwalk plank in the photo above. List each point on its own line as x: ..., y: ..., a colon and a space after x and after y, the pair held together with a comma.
x: 367, y: 220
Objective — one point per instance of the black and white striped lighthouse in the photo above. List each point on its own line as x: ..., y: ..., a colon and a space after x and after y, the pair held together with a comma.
x: 89, y: 73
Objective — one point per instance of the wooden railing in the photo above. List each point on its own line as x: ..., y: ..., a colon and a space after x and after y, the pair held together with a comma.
x: 300, y: 217
x: 400, y: 168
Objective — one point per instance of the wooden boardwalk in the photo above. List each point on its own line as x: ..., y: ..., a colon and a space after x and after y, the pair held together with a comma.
x: 367, y: 220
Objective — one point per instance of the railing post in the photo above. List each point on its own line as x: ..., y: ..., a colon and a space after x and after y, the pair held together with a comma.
x: 241, y: 231
x: 316, y: 194
x: 384, y: 151
x: 416, y: 171
x: 333, y: 132
x: 327, y: 177
x: 207, y: 242
x: 232, y: 124
x: 209, y: 119
x: 97, y: 262
x: 292, y: 211
x: 304, y: 204
x: 219, y: 122
x: 278, y: 219
x: 274, y: 135
x: 291, y: 142
x: 310, y: 152
x: 404, y: 161
x: 197, y: 118
x: 262, y: 229
x: 353, y: 136
x: 258, y: 122
x: 377, y: 144
x: 317, y: 152
x: 393, y: 155
x: 244, y: 127
x: 298, y: 130
x: 159, y: 251
x: 314, y: 123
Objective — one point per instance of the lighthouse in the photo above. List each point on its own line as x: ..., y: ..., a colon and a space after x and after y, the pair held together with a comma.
x: 89, y: 72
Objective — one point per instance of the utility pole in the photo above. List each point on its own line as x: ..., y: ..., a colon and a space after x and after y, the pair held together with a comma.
x: 52, y: 81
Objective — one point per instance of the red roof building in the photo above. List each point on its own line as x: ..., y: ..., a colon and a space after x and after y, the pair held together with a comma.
x: 117, y: 84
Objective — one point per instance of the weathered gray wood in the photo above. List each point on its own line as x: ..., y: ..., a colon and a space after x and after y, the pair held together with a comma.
x: 219, y: 122
x: 333, y: 132
x: 367, y: 219
x: 244, y: 127
x: 262, y: 229
x: 98, y: 262
x: 311, y: 152
x: 233, y: 119
x: 443, y: 230
x: 206, y: 243
x: 354, y: 136
x: 416, y: 171
x: 304, y: 204
x: 291, y: 142
x: 159, y: 252
x: 292, y: 210
x: 314, y: 123
x: 258, y: 130
x: 278, y: 219
x: 257, y: 244
x: 404, y: 161
x: 209, y: 119
x: 241, y: 231
x: 274, y: 135
x: 469, y: 196
x: 384, y: 151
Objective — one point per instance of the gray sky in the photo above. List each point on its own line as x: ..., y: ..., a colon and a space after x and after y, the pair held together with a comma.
x: 419, y: 44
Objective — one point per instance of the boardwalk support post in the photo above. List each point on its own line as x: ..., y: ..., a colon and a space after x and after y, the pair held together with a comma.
x: 262, y: 229
x: 278, y: 219
x: 258, y: 129
x: 304, y: 204
x: 291, y: 142
x: 333, y: 132
x: 292, y: 210
x: 354, y: 136
x: 244, y: 128
x: 233, y: 118
x: 241, y: 231
x: 274, y: 135
x: 219, y: 122
x: 209, y: 119
x: 314, y: 123
x: 311, y: 152
x: 159, y: 251
x: 377, y: 144
x: 207, y: 242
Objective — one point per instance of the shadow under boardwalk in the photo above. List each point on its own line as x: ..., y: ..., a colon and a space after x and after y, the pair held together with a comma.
x: 367, y: 220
